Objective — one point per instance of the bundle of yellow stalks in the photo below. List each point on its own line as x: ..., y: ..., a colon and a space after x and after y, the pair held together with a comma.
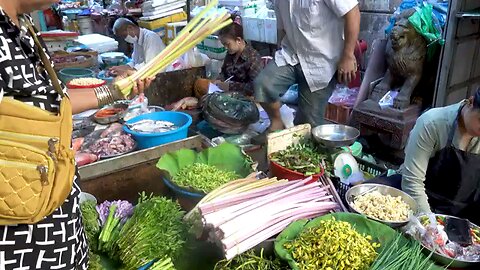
x: 196, y: 31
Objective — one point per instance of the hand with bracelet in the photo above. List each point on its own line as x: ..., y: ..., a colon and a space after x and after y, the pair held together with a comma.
x: 91, y: 98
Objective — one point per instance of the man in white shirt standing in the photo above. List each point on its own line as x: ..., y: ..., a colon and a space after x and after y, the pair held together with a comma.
x: 146, y: 44
x: 317, y: 40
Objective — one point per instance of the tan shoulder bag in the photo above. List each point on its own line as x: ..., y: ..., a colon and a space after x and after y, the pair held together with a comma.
x: 37, y: 165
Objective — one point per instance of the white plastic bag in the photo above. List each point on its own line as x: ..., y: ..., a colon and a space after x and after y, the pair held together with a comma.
x: 387, y: 100
x: 288, y: 116
x: 138, y: 106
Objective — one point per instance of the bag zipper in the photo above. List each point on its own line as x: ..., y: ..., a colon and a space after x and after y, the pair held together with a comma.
x: 49, y: 141
x: 41, y: 169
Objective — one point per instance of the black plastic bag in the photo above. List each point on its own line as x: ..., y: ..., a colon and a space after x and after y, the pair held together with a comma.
x: 229, y: 113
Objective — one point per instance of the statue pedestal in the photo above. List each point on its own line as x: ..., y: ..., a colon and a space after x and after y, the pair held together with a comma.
x: 391, y: 125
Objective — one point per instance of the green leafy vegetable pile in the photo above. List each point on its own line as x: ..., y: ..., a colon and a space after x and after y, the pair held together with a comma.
x: 90, y: 223
x: 155, y: 230
x: 203, y: 177
x: 94, y: 262
x: 164, y: 264
x: 304, y: 157
x: 249, y: 261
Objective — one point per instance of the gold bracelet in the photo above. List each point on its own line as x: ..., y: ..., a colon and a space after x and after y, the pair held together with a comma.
x: 104, y: 96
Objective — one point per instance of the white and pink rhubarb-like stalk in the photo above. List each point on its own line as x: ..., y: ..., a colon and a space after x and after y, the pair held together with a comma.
x: 241, y: 214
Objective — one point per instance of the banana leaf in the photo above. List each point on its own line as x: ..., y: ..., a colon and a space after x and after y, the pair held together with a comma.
x: 227, y: 157
x: 380, y: 233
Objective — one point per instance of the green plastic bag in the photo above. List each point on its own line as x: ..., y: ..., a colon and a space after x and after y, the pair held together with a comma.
x: 422, y: 21
x: 227, y: 157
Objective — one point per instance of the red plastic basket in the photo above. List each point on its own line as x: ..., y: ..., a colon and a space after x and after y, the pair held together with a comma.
x: 283, y: 173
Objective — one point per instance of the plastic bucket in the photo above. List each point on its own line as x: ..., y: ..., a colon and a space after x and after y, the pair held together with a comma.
x: 186, y: 198
x: 283, y: 173
x: 148, y: 140
x: 68, y: 74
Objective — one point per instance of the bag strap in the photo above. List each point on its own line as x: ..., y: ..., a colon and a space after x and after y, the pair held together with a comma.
x: 45, y: 59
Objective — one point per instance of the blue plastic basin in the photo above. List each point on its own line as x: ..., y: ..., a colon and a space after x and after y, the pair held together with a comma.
x: 102, y: 76
x: 148, y: 140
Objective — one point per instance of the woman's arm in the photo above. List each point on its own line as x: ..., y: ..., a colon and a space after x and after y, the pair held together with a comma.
x: 83, y: 100
x: 420, y: 147
x: 86, y: 99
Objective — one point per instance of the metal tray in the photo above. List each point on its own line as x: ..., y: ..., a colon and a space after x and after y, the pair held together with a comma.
x: 114, y: 118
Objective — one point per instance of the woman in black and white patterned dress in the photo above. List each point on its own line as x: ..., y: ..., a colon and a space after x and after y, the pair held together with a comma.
x: 58, y: 241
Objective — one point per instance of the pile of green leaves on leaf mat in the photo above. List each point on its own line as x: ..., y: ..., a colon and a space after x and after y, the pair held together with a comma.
x: 208, y: 169
x: 136, y: 236
x: 203, y: 177
x: 347, y: 241
x: 304, y: 157
x: 250, y: 261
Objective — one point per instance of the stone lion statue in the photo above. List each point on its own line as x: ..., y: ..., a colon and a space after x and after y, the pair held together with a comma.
x: 405, y: 54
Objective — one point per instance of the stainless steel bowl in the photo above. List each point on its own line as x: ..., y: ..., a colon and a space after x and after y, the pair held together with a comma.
x: 114, y: 118
x: 334, y: 135
x: 384, y: 190
x: 113, y: 58
x: 444, y: 260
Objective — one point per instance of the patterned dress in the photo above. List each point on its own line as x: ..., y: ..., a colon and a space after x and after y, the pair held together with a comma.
x: 244, y: 70
x: 58, y: 241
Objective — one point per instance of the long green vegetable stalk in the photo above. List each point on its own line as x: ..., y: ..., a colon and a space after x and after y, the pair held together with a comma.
x: 163, y: 264
x: 402, y: 254
x: 195, y: 31
x: 91, y: 223
x: 155, y: 230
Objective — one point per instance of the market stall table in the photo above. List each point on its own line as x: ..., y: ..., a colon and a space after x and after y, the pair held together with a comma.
x: 125, y: 176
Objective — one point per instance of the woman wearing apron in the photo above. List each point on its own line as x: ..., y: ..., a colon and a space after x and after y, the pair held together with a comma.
x: 57, y: 241
x: 442, y: 160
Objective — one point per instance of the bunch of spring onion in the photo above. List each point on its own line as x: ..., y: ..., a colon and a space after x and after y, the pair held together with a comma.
x: 156, y: 230
x: 196, y: 31
x: 402, y: 254
x: 113, y: 216
x: 243, y: 213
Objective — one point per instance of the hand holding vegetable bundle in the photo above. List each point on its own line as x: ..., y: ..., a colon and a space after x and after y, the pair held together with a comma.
x: 195, y: 31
